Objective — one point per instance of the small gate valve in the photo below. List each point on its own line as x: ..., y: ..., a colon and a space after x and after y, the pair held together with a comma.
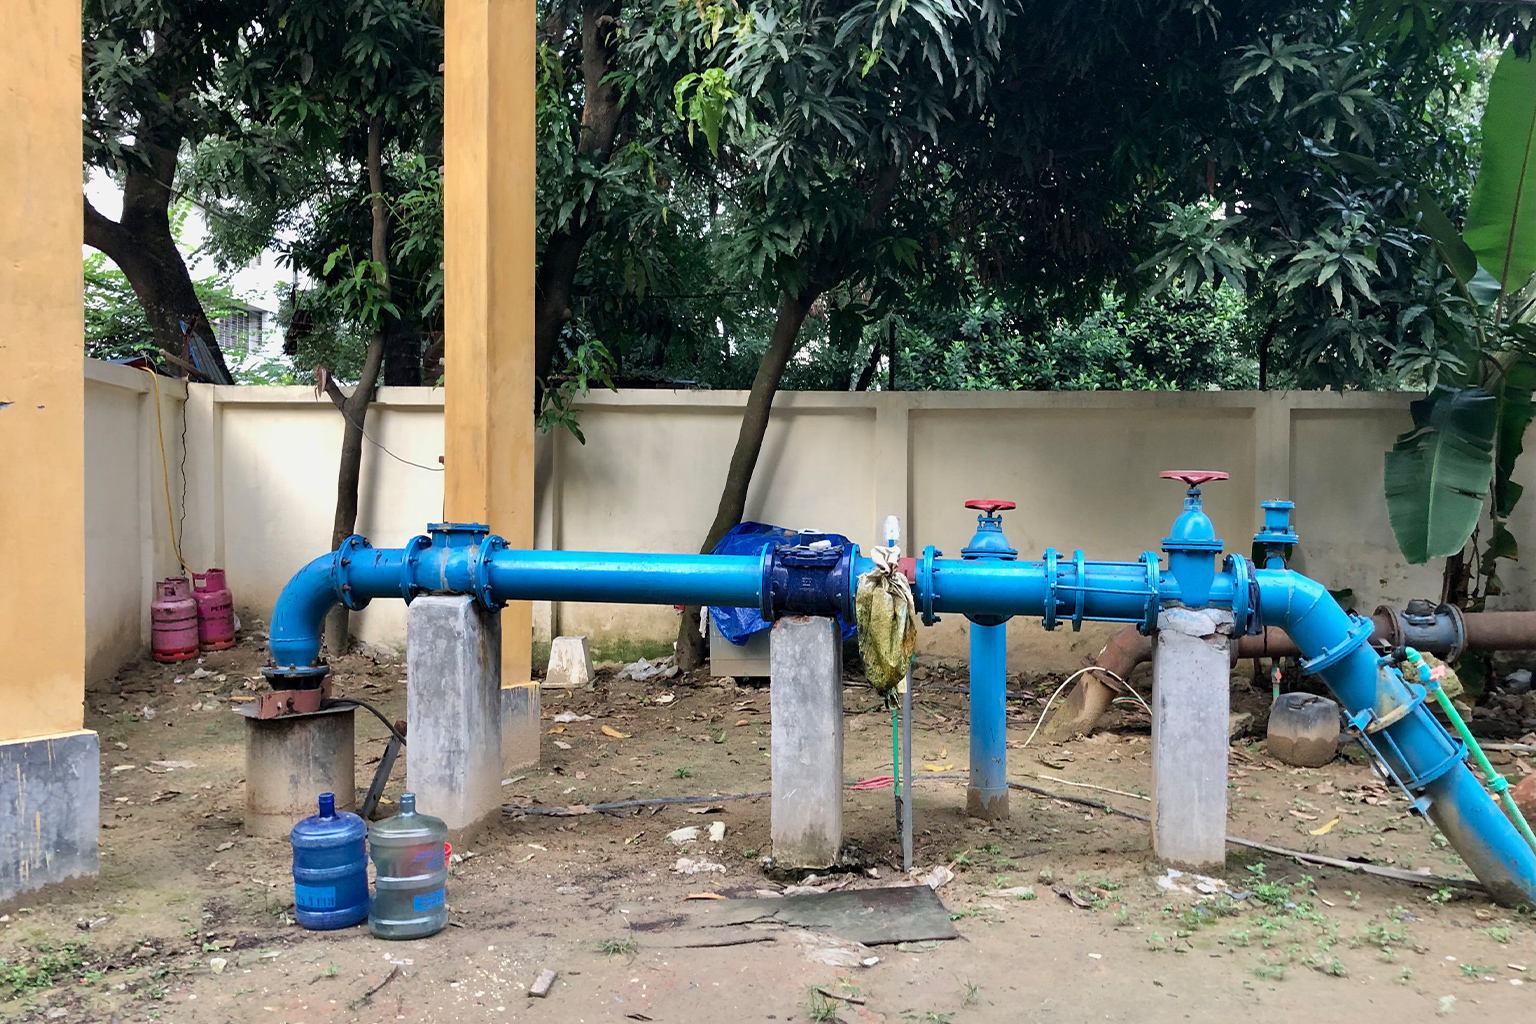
x: 1278, y: 536
x: 1192, y: 544
x: 989, y: 541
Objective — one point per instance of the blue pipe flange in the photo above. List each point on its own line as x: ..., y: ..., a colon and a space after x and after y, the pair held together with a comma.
x: 1154, y: 564
x: 1245, y: 595
x: 1081, y: 566
x: 1051, y: 583
x: 925, y: 583
x: 480, y: 570
x: 413, y: 549
x: 1359, y: 632
x: 350, y: 548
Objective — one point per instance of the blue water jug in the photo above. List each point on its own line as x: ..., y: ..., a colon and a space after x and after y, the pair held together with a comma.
x: 330, y: 868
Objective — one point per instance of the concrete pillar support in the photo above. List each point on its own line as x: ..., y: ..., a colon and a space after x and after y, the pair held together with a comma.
x: 488, y: 266
x: 1190, y: 702
x: 806, y: 701
x: 453, y: 709
x: 49, y: 766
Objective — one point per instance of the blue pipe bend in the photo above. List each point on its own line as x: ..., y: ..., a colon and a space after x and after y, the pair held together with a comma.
x: 1416, y: 748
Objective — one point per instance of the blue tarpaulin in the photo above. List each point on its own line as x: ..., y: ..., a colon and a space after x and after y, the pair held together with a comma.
x: 738, y: 624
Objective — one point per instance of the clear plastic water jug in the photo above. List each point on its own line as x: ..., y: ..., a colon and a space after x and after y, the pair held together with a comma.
x: 330, y: 868
x: 410, y: 874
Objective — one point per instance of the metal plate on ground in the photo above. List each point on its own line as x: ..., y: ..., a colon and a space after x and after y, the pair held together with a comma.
x: 908, y: 913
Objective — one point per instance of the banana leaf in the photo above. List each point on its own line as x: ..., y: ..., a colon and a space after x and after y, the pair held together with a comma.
x: 1437, y: 474
x: 1501, y: 217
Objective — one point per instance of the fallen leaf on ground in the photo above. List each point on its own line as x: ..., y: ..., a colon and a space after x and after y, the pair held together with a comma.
x: 609, y: 730
x: 1323, y: 830
x: 165, y: 794
x: 1302, y: 816
x: 557, y: 730
x: 938, y: 767
x: 703, y: 896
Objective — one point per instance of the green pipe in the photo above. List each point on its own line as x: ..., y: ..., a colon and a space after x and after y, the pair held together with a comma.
x: 1496, y: 782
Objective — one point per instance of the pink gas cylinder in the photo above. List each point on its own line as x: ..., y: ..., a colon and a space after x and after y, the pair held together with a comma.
x: 215, y: 610
x: 173, y: 621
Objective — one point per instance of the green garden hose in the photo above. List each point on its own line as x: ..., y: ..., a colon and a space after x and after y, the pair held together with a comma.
x: 1496, y: 782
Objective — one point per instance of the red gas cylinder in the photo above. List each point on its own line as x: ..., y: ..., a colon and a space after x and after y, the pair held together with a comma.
x: 173, y: 621
x: 215, y: 610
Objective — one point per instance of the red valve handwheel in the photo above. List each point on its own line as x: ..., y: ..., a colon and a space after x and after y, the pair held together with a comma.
x: 989, y: 505
x: 1193, y: 477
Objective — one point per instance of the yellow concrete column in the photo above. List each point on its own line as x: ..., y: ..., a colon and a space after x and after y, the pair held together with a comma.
x: 49, y: 766
x: 488, y: 161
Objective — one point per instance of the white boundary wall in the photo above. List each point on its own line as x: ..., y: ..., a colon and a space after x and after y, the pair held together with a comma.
x: 260, y: 484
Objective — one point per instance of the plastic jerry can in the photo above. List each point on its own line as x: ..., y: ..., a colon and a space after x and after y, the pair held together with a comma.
x: 1303, y: 730
x: 330, y: 868
x: 173, y: 621
x: 410, y: 863
x: 215, y: 610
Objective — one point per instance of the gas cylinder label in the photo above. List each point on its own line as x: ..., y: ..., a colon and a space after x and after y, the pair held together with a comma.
x: 315, y: 897
x: 429, y: 901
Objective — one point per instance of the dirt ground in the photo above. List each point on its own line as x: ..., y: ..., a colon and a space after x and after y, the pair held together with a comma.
x: 1060, y: 910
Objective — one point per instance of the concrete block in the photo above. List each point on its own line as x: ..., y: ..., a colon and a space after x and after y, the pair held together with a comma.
x: 453, y: 707
x: 746, y: 661
x: 570, y: 663
x: 520, y: 731
x: 50, y: 810
x: 290, y: 761
x: 1190, y: 705
x: 806, y: 701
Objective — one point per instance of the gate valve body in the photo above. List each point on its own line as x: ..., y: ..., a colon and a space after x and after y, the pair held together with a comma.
x: 989, y: 544
x: 1192, y: 544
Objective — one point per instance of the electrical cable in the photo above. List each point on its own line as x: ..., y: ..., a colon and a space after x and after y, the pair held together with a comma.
x: 165, y: 470
x: 341, y: 702
x: 1090, y: 668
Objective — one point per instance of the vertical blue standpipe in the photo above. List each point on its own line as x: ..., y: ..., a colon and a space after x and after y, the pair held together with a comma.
x: 987, y: 795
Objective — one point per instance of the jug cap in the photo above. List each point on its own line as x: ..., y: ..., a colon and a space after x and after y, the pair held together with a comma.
x: 327, y: 805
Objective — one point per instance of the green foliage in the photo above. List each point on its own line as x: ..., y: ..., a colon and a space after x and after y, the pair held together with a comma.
x: 1159, y: 344
x: 1501, y: 217
x: 1437, y: 473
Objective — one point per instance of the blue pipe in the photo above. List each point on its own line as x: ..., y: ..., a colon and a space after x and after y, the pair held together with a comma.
x: 1391, y: 717
x: 987, y: 795
x: 1388, y: 712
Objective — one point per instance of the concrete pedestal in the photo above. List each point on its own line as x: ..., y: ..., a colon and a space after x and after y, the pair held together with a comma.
x: 570, y: 664
x: 50, y: 810
x: 454, y: 709
x: 806, y: 700
x: 290, y: 761
x: 1190, y: 702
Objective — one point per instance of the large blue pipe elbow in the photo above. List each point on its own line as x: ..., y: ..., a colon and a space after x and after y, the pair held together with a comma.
x: 1412, y: 744
x: 294, y: 633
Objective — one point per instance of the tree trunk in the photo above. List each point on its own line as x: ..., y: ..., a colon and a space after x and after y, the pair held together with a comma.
x: 144, y: 249
x: 354, y: 409
x: 600, y: 119
x: 749, y: 443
